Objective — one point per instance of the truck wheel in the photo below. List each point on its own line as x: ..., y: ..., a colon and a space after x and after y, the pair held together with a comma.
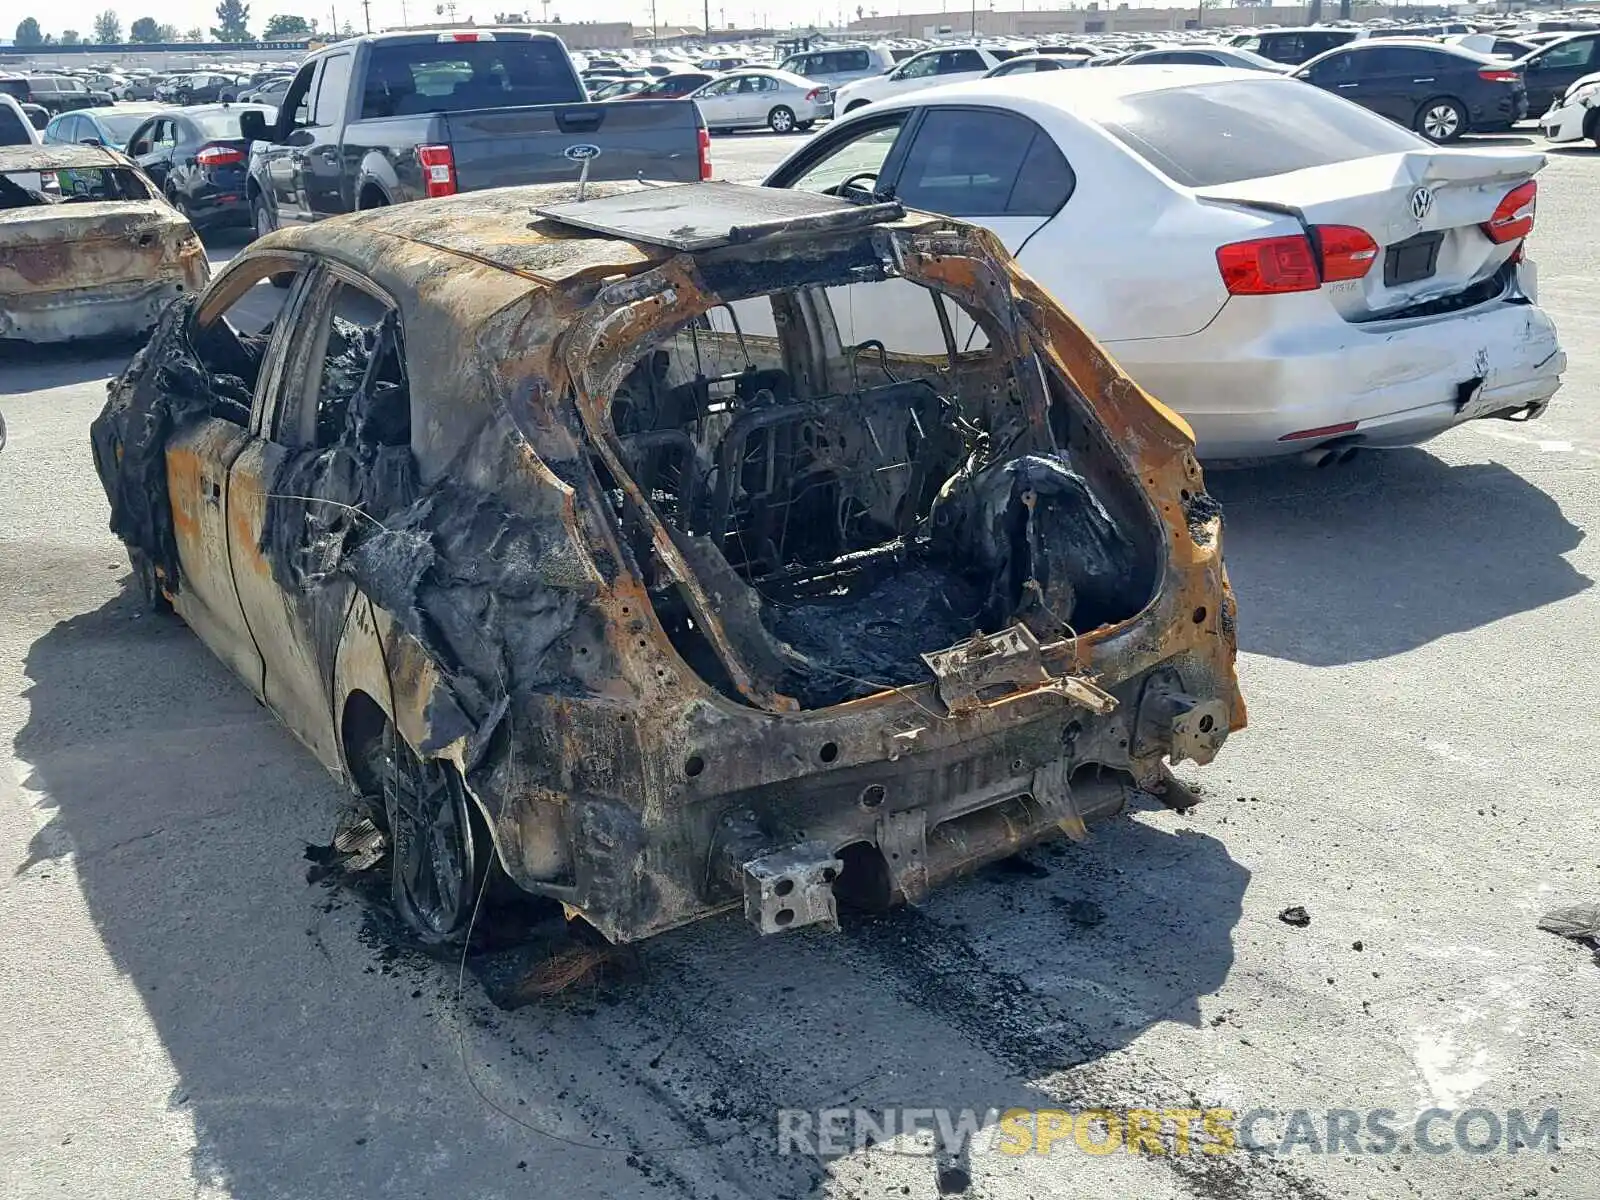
x: 781, y: 120
x: 440, y: 850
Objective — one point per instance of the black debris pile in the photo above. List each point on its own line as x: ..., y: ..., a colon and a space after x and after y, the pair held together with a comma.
x: 1295, y: 915
x: 178, y: 378
x: 867, y: 642
x: 1034, y: 527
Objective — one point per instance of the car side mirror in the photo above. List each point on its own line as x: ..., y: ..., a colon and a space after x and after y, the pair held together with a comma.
x: 92, y: 141
x: 300, y: 137
x: 253, y: 125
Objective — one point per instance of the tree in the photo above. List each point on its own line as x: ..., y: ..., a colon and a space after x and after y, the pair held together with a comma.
x: 285, y: 25
x: 71, y: 37
x: 108, y: 27
x: 144, y: 29
x: 234, y: 17
x: 28, y: 33
x: 195, y: 35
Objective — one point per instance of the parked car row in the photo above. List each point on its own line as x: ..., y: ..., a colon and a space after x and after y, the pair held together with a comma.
x: 1262, y: 256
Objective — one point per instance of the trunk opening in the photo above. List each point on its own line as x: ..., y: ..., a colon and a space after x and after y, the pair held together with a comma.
x: 846, y: 509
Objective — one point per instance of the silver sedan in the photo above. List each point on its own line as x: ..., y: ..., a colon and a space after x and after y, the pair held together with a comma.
x: 781, y: 101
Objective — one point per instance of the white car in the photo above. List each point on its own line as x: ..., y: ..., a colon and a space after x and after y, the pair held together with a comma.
x: 946, y: 64
x: 17, y: 130
x: 1576, y: 115
x: 1290, y: 272
x: 780, y: 101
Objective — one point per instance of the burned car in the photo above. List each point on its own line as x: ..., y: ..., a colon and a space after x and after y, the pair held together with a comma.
x: 580, y: 582
x: 88, y: 248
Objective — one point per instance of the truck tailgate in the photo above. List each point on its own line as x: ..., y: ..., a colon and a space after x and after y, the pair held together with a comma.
x: 506, y: 147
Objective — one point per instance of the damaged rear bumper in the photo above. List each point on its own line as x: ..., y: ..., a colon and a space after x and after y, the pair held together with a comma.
x: 70, y: 314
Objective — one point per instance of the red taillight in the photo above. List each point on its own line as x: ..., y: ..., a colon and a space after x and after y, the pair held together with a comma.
x: 1513, y: 217
x: 1268, y: 266
x: 705, y: 154
x: 1493, y: 75
x: 466, y: 37
x: 1347, y: 252
x: 814, y: 93
x: 438, y: 170
x: 219, y: 156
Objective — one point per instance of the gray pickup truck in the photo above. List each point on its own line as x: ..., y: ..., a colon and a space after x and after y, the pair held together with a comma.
x: 387, y: 118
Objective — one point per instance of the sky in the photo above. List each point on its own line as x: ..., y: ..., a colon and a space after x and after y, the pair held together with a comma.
x: 55, y: 15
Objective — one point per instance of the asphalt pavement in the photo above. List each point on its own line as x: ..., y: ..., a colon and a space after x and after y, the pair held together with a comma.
x: 183, y: 1014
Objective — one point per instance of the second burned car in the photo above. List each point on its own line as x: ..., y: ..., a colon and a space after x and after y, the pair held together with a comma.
x: 508, y: 519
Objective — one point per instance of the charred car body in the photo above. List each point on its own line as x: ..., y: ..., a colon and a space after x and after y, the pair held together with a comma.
x: 508, y: 521
x: 100, y: 255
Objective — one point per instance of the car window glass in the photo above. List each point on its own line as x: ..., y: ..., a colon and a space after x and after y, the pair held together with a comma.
x: 853, y: 60
x: 407, y: 77
x: 968, y: 162
x: 1253, y: 44
x: 1566, y: 56
x: 13, y: 129
x: 919, y: 68
x: 164, y: 136
x: 863, y: 154
x: 1401, y: 60
x: 1217, y: 133
x: 720, y: 88
x: 302, y: 108
x: 361, y: 389
x: 331, y: 90
x: 956, y: 61
x: 1336, y: 67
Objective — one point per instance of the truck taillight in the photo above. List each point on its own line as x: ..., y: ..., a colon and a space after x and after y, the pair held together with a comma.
x: 438, y: 170
x: 1268, y: 266
x: 475, y: 36
x: 1513, y: 216
x: 705, y: 154
x: 1347, y: 252
x: 219, y: 156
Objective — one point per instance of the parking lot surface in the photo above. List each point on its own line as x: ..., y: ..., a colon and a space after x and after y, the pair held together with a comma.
x: 186, y: 1015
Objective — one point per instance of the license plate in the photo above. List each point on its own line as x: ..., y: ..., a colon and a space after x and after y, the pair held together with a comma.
x: 1412, y: 260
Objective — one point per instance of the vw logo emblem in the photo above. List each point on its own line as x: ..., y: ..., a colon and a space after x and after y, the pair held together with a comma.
x: 1421, y: 202
x: 583, y: 152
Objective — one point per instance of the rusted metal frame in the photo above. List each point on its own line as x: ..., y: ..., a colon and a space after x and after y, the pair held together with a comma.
x: 677, y: 293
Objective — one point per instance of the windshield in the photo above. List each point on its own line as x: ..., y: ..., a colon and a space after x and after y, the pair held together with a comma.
x: 224, y: 123
x: 1247, y: 129
x: 419, y: 77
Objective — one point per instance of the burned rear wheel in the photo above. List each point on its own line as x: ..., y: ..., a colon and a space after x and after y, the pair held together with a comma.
x: 439, y: 847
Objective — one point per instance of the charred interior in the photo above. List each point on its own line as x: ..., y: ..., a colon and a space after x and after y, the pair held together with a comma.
x: 850, y: 508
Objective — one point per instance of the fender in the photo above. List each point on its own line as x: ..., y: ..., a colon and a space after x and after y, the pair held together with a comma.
x: 376, y: 171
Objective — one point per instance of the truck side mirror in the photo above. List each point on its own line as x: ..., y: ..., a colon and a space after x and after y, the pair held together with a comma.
x: 253, y: 125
